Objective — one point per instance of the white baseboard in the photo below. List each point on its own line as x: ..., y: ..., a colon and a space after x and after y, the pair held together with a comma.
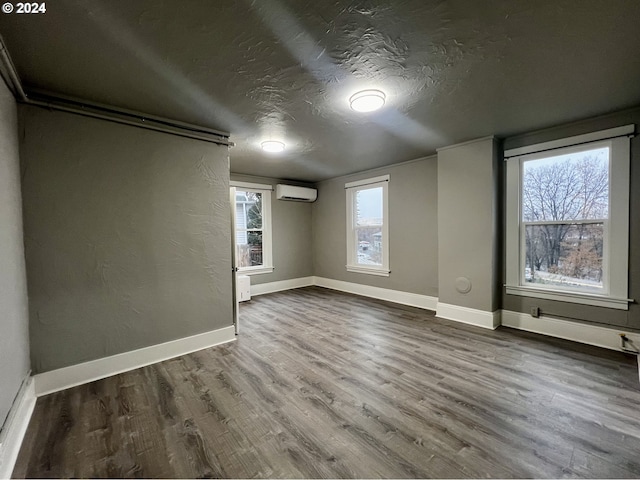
x: 578, y: 332
x: 471, y: 316
x: 15, y: 427
x: 395, y: 296
x: 272, y: 287
x: 81, y: 373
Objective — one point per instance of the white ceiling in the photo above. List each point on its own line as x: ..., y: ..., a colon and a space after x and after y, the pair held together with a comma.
x: 284, y: 69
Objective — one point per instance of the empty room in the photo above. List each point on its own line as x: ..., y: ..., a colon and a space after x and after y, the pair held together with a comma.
x: 330, y: 239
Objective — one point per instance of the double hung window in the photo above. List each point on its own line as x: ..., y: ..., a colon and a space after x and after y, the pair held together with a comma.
x: 253, y: 228
x: 368, y: 226
x: 567, y: 219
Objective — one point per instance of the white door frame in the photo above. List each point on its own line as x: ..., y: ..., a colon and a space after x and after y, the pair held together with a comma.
x: 234, y: 260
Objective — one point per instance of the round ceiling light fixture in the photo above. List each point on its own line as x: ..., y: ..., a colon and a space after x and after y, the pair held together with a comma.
x: 272, y: 146
x: 367, y: 100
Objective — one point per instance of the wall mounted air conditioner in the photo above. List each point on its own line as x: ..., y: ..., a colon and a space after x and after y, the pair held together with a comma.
x: 296, y: 194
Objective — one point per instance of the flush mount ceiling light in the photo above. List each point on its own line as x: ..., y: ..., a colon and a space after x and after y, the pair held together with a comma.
x: 272, y: 146
x: 367, y: 100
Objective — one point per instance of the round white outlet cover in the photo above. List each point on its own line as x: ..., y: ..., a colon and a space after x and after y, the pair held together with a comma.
x: 463, y: 285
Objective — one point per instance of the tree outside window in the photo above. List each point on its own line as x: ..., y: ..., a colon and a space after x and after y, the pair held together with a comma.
x: 249, y: 228
x: 565, y: 208
x: 567, y: 219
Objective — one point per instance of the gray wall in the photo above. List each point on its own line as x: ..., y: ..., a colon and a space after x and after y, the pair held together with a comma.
x: 292, y: 241
x: 629, y: 319
x: 14, y: 319
x: 468, y: 224
x: 127, y: 237
x: 413, y: 227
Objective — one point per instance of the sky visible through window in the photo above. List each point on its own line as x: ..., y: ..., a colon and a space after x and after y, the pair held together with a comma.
x: 370, y: 203
x: 601, y: 154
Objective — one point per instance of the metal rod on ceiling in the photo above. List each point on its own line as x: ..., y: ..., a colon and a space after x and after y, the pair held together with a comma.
x: 141, y: 121
x: 104, y: 112
x: 56, y: 98
x: 8, y: 69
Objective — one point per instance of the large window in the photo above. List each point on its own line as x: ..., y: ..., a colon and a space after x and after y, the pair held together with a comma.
x: 567, y: 219
x: 367, y: 226
x: 253, y: 228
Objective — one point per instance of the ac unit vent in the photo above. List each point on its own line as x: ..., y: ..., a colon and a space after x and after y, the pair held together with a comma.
x: 296, y: 194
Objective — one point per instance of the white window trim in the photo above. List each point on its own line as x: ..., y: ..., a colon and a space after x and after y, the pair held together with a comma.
x: 351, y: 188
x: 250, y: 186
x: 267, y: 246
x: 617, y: 253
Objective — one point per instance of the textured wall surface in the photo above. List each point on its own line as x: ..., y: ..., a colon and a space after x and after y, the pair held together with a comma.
x: 467, y: 224
x: 413, y: 229
x: 14, y: 319
x: 291, y: 236
x: 628, y: 319
x: 127, y: 237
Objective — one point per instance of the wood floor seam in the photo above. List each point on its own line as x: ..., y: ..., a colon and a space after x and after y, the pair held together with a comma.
x: 326, y: 384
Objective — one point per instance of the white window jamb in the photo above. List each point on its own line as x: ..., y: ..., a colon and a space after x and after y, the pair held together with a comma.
x: 351, y: 191
x: 615, y: 261
x: 267, y: 247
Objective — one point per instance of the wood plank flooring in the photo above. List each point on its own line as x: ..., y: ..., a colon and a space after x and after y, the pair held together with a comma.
x: 322, y: 384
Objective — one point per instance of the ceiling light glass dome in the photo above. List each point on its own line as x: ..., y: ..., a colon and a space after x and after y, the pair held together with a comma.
x: 367, y: 100
x: 272, y: 146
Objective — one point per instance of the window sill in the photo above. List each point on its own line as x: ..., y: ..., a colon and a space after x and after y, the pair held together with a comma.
x: 381, y: 272
x: 571, y: 297
x: 254, y: 270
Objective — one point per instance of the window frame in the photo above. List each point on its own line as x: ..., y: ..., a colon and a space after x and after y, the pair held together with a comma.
x: 267, y: 245
x: 351, y: 189
x: 616, y: 227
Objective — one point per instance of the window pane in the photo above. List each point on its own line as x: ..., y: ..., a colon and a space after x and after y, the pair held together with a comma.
x: 369, y: 207
x: 250, y: 253
x: 565, y: 255
x: 369, y: 246
x: 248, y: 216
x: 254, y: 212
x: 572, y: 186
x: 248, y: 210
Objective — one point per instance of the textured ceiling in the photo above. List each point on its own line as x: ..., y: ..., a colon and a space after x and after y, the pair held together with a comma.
x: 284, y: 69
